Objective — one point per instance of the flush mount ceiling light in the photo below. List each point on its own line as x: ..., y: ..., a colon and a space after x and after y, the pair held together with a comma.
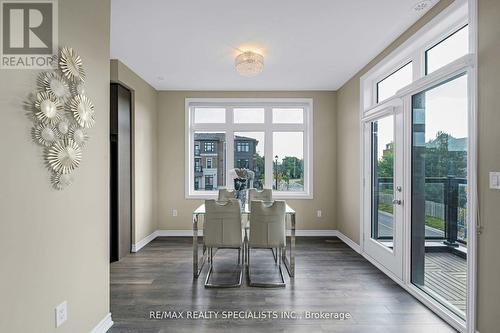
x: 422, y: 6
x: 249, y: 63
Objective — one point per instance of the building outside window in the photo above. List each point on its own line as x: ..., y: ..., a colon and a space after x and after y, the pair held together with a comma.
x: 243, y: 164
x: 209, y: 163
x: 197, y: 165
x: 209, y: 147
x: 242, y: 147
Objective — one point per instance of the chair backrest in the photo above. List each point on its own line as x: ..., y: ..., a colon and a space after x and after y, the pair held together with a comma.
x: 222, y: 224
x: 264, y: 195
x: 226, y: 195
x: 267, y: 224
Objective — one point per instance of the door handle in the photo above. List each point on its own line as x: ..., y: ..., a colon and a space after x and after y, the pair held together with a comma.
x: 397, y: 202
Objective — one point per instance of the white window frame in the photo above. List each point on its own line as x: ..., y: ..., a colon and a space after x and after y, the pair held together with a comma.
x: 450, y: 20
x: 229, y: 128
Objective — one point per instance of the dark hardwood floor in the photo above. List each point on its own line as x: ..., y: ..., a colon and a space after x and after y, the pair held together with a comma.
x: 330, y: 277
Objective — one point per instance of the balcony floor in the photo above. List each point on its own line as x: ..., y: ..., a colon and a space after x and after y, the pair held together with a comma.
x: 446, y: 275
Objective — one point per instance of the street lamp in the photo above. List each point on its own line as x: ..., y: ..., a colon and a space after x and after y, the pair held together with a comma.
x: 276, y: 171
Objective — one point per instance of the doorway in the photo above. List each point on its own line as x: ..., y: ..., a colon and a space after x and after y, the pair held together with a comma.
x: 120, y: 172
x: 383, y: 179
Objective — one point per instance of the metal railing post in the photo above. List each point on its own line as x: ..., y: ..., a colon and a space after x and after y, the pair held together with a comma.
x: 451, y: 212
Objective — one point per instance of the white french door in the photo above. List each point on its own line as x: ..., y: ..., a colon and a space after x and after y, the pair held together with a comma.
x: 383, y: 186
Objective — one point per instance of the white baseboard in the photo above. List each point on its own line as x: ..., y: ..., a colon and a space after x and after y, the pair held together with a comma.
x: 143, y: 242
x: 177, y: 233
x: 104, y: 325
x: 301, y: 233
x: 189, y: 233
x: 315, y: 233
x: 353, y: 245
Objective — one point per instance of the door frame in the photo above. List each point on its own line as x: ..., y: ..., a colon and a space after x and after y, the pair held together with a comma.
x: 467, y: 65
x: 390, y: 260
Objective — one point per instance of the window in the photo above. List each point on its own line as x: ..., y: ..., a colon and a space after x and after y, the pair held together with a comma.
x: 288, y: 116
x: 242, y: 164
x: 248, y: 115
x: 242, y: 146
x: 209, y: 115
x: 209, y: 183
x: 288, y: 168
x: 391, y: 84
x: 209, y: 147
x: 445, y: 39
x: 449, y: 49
x: 250, y: 134
x: 197, y: 165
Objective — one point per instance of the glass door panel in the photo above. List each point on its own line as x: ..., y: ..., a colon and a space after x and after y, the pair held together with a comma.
x: 439, y: 192
x: 382, y: 163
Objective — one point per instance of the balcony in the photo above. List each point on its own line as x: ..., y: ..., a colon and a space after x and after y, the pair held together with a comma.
x: 442, y: 270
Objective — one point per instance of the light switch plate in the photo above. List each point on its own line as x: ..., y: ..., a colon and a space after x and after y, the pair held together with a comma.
x: 495, y: 180
x: 61, y: 313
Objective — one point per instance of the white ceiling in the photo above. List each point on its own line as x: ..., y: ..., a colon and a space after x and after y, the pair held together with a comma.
x: 307, y: 45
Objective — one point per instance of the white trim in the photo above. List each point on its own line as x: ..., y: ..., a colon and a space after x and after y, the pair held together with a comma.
x: 352, y: 244
x: 104, y: 325
x: 177, y: 233
x: 413, y: 49
x: 315, y: 233
x: 300, y: 233
x: 473, y: 219
x: 267, y: 127
x: 143, y: 242
x: 451, y: 19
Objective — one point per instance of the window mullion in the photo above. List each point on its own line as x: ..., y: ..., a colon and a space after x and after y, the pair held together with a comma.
x: 229, y: 146
x: 268, y: 147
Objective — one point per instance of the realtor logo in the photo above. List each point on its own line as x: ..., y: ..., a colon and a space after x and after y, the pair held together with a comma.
x: 28, y: 34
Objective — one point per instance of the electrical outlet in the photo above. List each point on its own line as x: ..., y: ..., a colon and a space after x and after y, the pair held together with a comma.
x: 61, y: 313
x: 495, y: 180
x: 319, y: 213
x: 174, y: 212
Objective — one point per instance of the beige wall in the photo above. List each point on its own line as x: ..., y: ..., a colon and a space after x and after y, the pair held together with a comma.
x: 54, y: 244
x: 145, y: 161
x: 348, y: 211
x: 489, y: 160
x: 171, y: 122
x: 489, y: 156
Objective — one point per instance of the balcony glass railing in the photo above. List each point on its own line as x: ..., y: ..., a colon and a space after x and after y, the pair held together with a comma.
x: 445, y: 207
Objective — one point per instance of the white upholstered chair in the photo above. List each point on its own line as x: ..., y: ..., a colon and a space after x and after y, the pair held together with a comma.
x: 222, y: 229
x: 263, y: 195
x: 267, y: 231
x: 226, y: 195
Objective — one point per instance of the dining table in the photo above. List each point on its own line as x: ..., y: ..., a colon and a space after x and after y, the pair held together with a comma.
x: 288, y: 255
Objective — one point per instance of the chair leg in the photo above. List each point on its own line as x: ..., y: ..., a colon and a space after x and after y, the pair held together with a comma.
x: 275, y: 255
x: 229, y: 285
x: 264, y: 284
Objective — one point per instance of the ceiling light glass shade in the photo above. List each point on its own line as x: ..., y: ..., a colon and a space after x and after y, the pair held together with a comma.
x: 249, y: 63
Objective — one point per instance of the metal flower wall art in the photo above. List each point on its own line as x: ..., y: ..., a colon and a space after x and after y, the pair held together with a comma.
x: 61, y: 114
